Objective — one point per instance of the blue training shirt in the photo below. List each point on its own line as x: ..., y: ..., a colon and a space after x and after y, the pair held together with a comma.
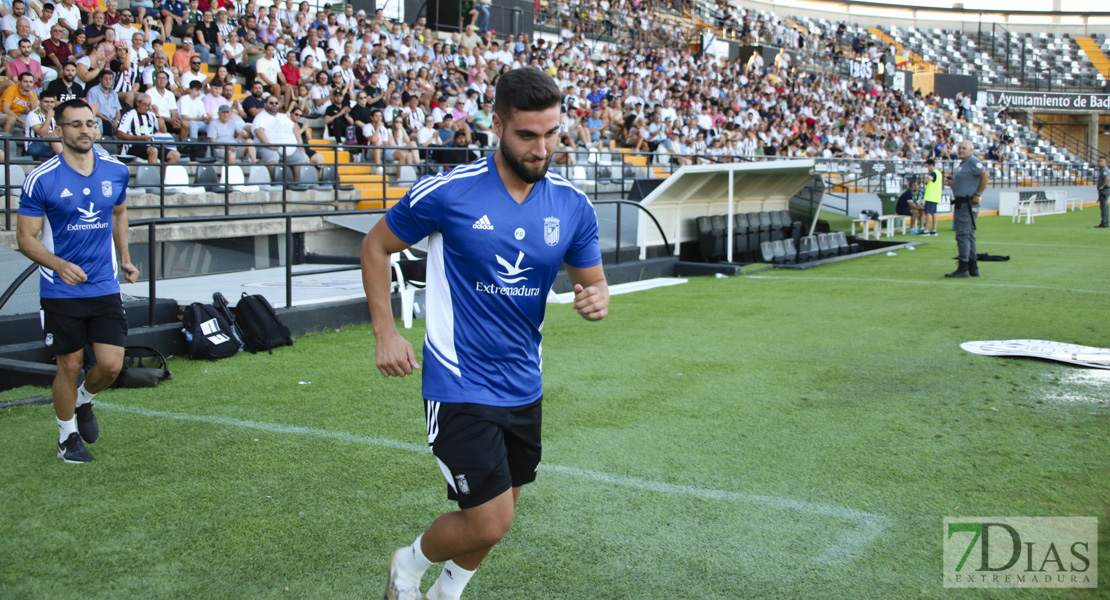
x: 491, y: 263
x: 77, y: 223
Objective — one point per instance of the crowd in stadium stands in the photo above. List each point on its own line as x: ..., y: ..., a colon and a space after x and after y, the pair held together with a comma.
x: 382, y: 83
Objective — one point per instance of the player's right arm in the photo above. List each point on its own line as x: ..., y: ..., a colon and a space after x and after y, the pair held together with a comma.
x: 394, y: 354
x: 27, y: 234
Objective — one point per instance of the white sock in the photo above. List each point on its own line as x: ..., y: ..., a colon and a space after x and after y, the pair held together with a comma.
x: 452, y: 580
x: 65, y: 428
x: 412, y: 562
x: 83, y: 396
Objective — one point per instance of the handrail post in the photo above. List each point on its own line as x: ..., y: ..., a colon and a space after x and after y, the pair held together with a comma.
x: 151, y: 273
x: 617, y: 260
x: 289, y: 261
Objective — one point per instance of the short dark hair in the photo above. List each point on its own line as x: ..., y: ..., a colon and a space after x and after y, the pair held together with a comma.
x: 61, y: 109
x: 528, y: 89
x: 930, y: 161
x: 26, y: 74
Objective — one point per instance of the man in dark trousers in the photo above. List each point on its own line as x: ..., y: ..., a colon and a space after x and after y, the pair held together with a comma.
x: 1103, y: 185
x: 968, y: 182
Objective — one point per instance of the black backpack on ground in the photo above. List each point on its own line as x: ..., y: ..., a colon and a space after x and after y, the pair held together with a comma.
x: 209, y: 334
x: 259, y: 325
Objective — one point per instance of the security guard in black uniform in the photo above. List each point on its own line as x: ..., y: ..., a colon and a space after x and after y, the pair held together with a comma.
x: 968, y: 182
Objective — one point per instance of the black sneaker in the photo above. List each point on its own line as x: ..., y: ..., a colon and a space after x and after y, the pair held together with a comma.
x: 86, y: 423
x: 72, y: 451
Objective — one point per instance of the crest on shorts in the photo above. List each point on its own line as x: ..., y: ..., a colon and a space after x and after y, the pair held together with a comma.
x: 551, y: 231
x: 461, y: 485
x: 50, y: 339
x: 106, y: 187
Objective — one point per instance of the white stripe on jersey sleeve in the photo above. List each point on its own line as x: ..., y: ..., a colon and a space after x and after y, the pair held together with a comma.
x: 439, y: 321
x: 423, y: 183
x: 38, y: 171
x: 446, y: 180
x: 559, y: 180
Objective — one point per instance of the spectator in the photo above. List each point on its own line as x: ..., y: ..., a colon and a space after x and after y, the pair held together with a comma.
x: 164, y: 104
x: 206, y: 36
x: 190, y: 107
x: 277, y: 131
x: 910, y: 204
x: 126, y: 82
x: 235, y: 133
x: 182, y: 57
x: 172, y: 14
x: 140, y: 124
x: 66, y: 87
x: 24, y: 64
x: 41, y: 126
x: 17, y: 101
x: 95, y: 30
x: 159, y: 64
x: 193, y: 73
x: 106, y: 101
x: 255, y: 104
x: 337, y: 118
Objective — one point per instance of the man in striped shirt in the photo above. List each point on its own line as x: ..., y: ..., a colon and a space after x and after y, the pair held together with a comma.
x: 139, y: 125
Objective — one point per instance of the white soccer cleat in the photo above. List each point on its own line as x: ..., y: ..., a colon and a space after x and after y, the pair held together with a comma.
x: 397, y: 585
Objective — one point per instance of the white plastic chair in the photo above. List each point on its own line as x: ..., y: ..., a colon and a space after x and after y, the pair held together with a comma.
x: 177, y: 181
x: 232, y: 175
x: 1023, y: 208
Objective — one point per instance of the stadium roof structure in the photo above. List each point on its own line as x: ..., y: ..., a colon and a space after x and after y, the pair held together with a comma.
x: 704, y: 190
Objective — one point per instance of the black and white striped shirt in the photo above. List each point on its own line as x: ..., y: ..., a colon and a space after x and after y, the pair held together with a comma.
x: 133, y: 123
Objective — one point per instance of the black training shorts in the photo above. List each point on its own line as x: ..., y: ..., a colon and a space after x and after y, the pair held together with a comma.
x: 70, y: 323
x: 484, y: 450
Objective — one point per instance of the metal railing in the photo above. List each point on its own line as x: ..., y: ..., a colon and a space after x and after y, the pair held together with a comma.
x: 601, y: 173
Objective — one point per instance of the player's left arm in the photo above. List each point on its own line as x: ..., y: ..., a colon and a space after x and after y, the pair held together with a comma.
x: 591, y: 291
x: 119, y: 236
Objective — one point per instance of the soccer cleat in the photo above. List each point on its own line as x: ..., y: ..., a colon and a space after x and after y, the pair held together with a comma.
x: 399, y: 590
x: 72, y: 451
x: 86, y: 423
x: 932, y: 233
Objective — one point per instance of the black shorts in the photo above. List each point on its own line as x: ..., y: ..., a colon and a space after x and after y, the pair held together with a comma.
x: 484, y: 450
x: 70, y: 323
x: 139, y: 150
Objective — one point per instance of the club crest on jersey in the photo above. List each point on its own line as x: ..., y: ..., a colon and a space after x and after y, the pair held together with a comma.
x: 106, y: 187
x: 551, y: 231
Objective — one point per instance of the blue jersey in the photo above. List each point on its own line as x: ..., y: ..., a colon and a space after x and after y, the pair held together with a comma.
x: 491, y: 263
x: 77, y: 223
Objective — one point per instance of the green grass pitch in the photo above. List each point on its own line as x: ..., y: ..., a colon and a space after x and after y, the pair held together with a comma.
x: 795, y: 435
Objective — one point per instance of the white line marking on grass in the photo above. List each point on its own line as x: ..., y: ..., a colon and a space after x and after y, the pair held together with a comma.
x: 946, y: 283
x: 867, y: 526
x: 1069, y: 247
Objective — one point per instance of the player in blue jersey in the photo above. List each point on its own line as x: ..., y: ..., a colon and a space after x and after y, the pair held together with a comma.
x: 498, y: 231
x: 76, y: 200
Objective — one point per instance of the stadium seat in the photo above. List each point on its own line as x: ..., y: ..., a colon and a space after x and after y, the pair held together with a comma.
x: 177, y: 181
x: 406, y: 174
x: 778, y: 254
x: 767, y: 252
x: 13, y: 180
x: 720, y: 232
x: 776, y: 226
x: 740, y: 249
x: 302, y: 179
x: 707, y: 244
x: 149, y: 178
x: 764, y: 227
x: 232, y: 175
x: 410, y: 275
x: 823, y: 249
x: 791, y: 253
x: 260, y: 176
x: 808, y: 250
x: 329, y: 180
x: 209, y: 179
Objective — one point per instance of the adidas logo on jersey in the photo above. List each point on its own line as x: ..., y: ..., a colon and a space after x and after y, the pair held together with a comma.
x: 483, y: 223
x: 66, y: 193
